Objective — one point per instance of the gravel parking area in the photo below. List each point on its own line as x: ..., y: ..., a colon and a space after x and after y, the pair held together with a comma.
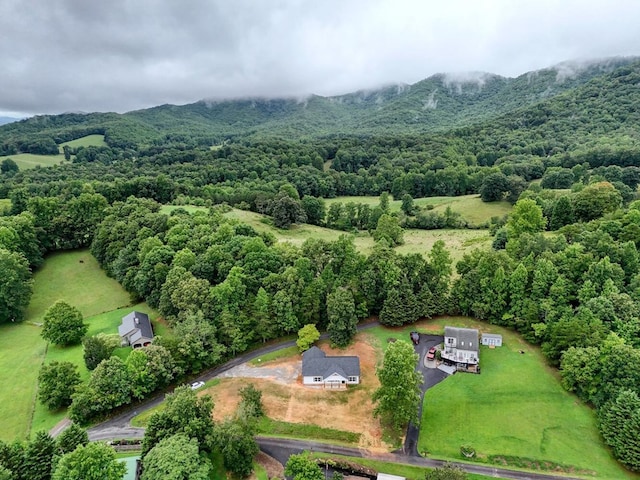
x: 286, y: 373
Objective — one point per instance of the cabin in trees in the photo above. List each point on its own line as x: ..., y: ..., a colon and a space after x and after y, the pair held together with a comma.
x: 136, y: 330
x: 330, y: 372
x: 461, y: 348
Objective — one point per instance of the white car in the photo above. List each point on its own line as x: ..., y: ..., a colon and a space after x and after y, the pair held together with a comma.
x: 197, y: 385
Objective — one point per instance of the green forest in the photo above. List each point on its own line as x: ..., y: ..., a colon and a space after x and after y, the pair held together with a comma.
x: 563, y: 269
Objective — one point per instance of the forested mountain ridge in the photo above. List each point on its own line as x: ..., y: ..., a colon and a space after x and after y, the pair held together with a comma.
x: 436, y: 104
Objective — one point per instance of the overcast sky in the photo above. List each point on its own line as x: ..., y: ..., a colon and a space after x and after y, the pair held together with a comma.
x: 120, y: 55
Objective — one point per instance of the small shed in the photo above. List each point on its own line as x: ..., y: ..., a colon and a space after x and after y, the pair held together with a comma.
x: 492, y: 339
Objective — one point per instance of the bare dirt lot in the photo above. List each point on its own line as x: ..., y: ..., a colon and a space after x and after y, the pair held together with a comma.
x: 286, y: 399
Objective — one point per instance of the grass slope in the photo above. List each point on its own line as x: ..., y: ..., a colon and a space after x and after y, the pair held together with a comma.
x: 22, y: 350
x: 458, y: 242
x: 30, y: 160
x: 515, y: 408
x: 86, y: 141
x: 471, y: 207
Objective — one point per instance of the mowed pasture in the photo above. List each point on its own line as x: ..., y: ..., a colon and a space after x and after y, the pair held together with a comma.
x: 470, y: 207
x: 515, y: 411
x: 75, y: 277
x: 29, y: 160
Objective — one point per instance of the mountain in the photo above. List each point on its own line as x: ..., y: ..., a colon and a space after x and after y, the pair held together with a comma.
x: 439, y: 103
x: 5, y: 120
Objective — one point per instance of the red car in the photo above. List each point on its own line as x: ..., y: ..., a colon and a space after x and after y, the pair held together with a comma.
x: 432, y: 353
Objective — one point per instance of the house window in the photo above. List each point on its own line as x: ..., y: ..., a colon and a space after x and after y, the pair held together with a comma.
x: 470, y: 344
x: 317, y: 379
x: 449, y: 340
x: 353, y: 379
x: 462, y: 343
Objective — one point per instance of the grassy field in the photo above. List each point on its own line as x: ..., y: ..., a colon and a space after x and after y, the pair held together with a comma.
x: 30, y: 160
x: 87, y: 141
x: 75, y: 277
x: 515, y: 412
x: 470, y: 207
x: 415, y: 241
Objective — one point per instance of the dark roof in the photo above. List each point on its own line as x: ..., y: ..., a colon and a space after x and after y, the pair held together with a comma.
x: 465, y: 337
x: 316, y: 363
x: 136, y: 321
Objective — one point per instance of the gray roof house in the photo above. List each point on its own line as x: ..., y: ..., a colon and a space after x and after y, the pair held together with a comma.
x: 461, y: 346
x: 333, y: 372
x: 136, y: 330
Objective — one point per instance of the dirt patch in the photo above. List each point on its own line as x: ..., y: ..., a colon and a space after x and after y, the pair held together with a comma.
x: 273, y: 467
x: 347, y: 410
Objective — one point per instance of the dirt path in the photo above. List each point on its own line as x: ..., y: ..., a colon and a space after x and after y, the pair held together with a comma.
x: 60, y: 427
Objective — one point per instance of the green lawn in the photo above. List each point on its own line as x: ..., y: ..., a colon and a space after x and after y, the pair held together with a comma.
x: 75, y: 277
x: 62, y: 277
x: 516, y: 408
x: 30, y: 160
x: 470, y: 207
x: 87, y: 141
x: 44, y: 419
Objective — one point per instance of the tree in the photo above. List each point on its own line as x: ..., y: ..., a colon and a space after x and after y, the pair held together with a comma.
x: 71, y: 438
x: 38, y: 457
x: 302, y: 467
x: 12, y: 458
x: 407, y: 204
x: 341, y: 311
x: 526, y: 217
x: 176, y: 458
x: 620, y: 427
x: 235, y: 441
x: 111, y: 384
x: 185, y: 413
x: 251, y: 404
x: 63, y: 324
x: 15, y: 286
x: 9, y: 167
x: 399, y: 394
x: 400, y: 306
x: 286, y: 211
x: 595, y: 200
x: 307, y: 336
x: 57, y: 382
x: 95, y: 349
x: 384, y: 202
x: 388, y: 229
x: 494, y: 187
x: 314, y: 208
x: 562, y: 213
x: 95, y: 461
x: 446, y: 472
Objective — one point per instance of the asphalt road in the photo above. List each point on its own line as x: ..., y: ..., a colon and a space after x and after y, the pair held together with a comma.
x: 282, y: 448
x: 431, y: 376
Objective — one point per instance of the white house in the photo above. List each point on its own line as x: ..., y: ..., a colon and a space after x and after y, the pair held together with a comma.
x: 333, y: 372
x: 492, y: 339
x: 461, y: 346
x: 136, y: 330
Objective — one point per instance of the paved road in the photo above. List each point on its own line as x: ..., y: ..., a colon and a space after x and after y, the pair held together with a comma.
x: 431, y: 376
x: 282, y: 448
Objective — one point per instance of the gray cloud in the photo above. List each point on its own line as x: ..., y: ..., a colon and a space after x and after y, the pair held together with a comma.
x: 83, y: 55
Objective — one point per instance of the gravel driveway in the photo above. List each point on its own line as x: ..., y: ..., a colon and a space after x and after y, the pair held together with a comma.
x: 285, y: 373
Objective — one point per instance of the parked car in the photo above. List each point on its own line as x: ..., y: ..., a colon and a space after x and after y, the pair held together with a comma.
x: 431, y: 354
x: 197, y: 385
x: 415, y: 337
